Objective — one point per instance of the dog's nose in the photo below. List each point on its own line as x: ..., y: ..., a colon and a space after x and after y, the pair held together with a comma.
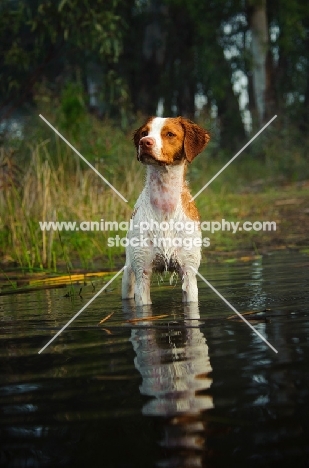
x: 147, y: 142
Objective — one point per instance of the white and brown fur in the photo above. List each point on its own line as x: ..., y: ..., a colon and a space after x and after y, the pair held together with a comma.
x: 165, y: 146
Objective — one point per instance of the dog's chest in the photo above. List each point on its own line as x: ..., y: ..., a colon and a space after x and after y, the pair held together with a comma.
x: 164, y: 190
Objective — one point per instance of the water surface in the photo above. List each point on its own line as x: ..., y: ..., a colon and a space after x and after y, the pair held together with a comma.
x: 192, y: 389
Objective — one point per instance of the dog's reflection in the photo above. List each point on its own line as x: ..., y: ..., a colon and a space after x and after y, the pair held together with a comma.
x: 174, y: 364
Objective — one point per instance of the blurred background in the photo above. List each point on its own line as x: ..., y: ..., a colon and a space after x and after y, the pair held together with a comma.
x: 96, y: 69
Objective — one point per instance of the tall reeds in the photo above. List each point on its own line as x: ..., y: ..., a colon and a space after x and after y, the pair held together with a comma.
x: 56, y: 187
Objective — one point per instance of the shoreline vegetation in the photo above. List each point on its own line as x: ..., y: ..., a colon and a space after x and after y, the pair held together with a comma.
x: 42, y: 179
x: 95, y: 73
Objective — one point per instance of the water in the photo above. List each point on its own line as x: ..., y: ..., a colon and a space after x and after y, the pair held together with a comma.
x: 193, y: 389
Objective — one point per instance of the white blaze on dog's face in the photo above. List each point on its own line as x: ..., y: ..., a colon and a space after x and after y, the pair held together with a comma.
x: 168, y: 141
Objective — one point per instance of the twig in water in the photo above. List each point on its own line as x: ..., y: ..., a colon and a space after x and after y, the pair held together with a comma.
x: 106, y: 318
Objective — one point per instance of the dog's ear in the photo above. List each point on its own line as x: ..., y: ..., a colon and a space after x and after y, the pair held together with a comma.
x: 196, y: 138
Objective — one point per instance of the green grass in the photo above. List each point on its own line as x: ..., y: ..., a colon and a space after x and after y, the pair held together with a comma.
x: 42, y: 179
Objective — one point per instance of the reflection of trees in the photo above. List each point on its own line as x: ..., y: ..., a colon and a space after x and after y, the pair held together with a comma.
x: 174, y: 364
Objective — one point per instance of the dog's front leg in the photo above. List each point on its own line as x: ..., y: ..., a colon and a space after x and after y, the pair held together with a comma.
x: 142, y: 285
x: 142, y: 258
x: 128, y: 282
x: 188, y: 260
x: 136, y: 283
x: 189, y: 286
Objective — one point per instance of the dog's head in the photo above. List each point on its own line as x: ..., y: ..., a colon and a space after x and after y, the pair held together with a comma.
x: 167, y: 141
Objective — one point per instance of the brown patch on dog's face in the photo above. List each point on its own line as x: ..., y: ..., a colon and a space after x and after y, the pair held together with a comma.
x: 168, y: 141
x: 160, y: 142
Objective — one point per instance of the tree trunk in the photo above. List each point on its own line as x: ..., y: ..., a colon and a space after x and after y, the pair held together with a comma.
x: 259, y: 48
x: 232, y: 131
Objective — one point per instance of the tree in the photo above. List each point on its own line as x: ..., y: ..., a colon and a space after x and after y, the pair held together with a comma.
x: 181, y: 56
x: 44, y: 39
x: 257, y: 19
x: 167, y: 52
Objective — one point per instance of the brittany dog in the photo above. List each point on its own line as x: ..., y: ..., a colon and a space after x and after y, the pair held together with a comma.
x: 164, y: 231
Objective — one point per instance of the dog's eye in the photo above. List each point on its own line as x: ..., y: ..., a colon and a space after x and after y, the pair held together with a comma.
x: 170, y: 134
x: 144, y: 133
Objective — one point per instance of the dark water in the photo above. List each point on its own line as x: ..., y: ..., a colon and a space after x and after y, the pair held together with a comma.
x: 181, y: 391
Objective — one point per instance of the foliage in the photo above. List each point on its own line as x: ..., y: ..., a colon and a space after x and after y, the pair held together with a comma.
x: 190, y: 58
x: 43, y: 39
x: 54, y: 185
x: 94, y: 69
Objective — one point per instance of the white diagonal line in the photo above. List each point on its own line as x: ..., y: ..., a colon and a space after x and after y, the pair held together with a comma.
x: 233, y: 308
x: 234, y: 157
x: 82, y: 309
x: 84, y: 159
